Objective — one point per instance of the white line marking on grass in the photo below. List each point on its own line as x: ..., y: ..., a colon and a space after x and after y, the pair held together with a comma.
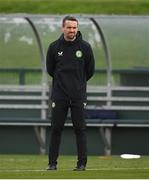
x: 22, y: 170
x: 109, y: 169
x: 88, y: 169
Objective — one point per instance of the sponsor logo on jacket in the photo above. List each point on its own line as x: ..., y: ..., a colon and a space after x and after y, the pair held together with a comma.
x: 60, y: 53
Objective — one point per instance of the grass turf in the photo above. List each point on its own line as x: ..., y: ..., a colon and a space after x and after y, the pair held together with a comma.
x: 33, y: 166
x: 77, y: 6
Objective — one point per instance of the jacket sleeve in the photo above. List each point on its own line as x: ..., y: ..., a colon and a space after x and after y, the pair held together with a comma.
x: 89, y: 63
x: 50, y: 61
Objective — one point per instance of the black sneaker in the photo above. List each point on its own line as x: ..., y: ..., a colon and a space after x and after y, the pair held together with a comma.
x: 80, y: 168
x: 51, y: 167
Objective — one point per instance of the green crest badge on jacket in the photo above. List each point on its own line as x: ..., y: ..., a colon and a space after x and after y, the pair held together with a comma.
x: 78, y: 54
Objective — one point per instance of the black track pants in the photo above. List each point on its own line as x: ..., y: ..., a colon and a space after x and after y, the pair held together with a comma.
x: 59, y: 114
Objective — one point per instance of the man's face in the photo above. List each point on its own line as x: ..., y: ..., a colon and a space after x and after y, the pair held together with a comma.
x: 70, y: 29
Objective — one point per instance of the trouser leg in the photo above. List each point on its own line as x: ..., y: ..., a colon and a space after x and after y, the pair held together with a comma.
x: 78, y: 119
x: 59, y: 113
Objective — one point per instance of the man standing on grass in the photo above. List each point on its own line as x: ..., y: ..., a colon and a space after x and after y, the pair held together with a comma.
x: 70, y: 62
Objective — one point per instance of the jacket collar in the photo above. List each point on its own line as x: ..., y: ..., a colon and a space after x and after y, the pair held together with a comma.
x: 78, y: 38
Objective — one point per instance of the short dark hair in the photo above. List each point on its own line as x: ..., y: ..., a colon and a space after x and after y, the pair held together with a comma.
x: 69, y: 18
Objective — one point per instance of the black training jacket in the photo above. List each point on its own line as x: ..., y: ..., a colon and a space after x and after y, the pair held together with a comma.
x: 71, y: 64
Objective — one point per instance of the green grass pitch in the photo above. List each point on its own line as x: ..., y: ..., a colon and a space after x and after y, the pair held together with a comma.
x: 112, y: 167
